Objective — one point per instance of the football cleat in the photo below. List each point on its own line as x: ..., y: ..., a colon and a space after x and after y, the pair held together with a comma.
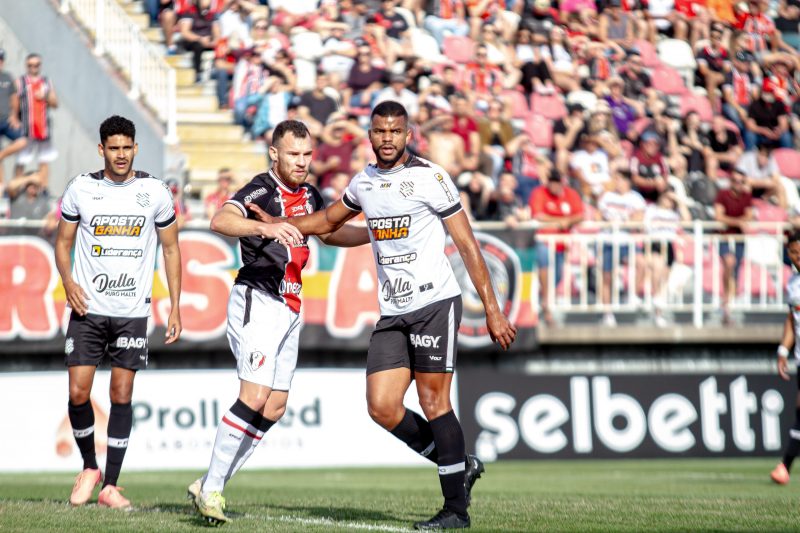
x: 84, y: 486
x: 780, y: 475
x: 193, y: 490
x: 471, y: 474
x: 110, y: 497
x: 444, y: 519
x: 211, y: 508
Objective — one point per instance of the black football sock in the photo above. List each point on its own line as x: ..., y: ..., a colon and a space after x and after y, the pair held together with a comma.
x: 416, y: 432
x: 82, y: 419
x: 794, y: 442
x: 449, y: 440
x: 120, y: 421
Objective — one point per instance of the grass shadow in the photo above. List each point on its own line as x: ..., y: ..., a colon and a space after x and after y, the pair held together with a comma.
x: 340, y: 513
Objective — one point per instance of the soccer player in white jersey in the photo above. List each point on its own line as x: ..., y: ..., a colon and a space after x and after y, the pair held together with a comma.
x: 791, y: 331
x: 264, y: 305
x: 408, y: 203
x: 114, y: 213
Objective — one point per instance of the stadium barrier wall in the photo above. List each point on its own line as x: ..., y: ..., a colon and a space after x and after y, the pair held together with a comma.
x: 175, y: 415
x: 516, y: 416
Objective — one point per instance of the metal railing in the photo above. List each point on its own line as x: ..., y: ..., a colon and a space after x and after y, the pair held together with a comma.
x: 116, y: 36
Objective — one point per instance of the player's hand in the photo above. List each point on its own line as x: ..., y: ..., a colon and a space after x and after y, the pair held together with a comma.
x: 260, y: 213
x: 783, y: 368
x: 500, y: 329
x: 76, y: 298
x: 283, y: 232
x: 174, y: 327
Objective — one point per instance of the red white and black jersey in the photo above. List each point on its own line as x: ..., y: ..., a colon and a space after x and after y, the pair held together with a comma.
x: 35, y: 112
x: 267, y: 265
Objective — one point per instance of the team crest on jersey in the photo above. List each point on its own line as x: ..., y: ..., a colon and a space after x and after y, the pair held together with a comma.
x: 143, y: 199
x: 117, y: 225
x: 444, y: 187
x: 406, y: 188
x: 69, y: 345
x: 389, y: 228
x: 257, y: 360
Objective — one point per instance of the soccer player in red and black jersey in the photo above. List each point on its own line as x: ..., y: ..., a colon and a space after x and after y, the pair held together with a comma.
x: 264, y: 306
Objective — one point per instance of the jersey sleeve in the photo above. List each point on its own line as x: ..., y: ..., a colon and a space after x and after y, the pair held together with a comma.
x: 350, y: 196
x: 69, y: 203
x: 165, y: 209
x: 244, y: 196
x: 441, y: 194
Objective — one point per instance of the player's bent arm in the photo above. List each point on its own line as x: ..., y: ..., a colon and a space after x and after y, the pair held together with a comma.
x: 231, y: 222
x: 65, y: 240
x: 348, y: 235
x: 328, y: 220
x: 172, y: 263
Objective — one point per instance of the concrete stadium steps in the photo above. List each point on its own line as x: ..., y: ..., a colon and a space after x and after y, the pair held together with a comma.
x: 205, y: 179
x: 184, y: 77
x: 209, y: 157
x: 234, y: 148
x: 206, y: 117
x: 199, y: 103
x: 194, y: 133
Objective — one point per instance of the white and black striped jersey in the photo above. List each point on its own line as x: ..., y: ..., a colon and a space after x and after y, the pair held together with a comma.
x: 115, y: 247
x: 793, y: 300
x: 404, y: 207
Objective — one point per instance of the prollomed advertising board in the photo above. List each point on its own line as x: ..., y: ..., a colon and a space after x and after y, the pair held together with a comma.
x: 175, y: 415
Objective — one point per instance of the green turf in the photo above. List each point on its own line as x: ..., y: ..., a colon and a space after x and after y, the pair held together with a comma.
x: 657, y: 495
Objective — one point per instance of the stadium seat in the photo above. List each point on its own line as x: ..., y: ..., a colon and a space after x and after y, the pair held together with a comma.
x: 678, y: 54
x: 700, y: 104
x: 540, y: 130
x: 668, y: 81
x: 548, y: 106
x: 640, y: 125
x: 458, y: 49
x: 518, y: 102
x: 424, y: 46
x: 788, y: 160
x: 761, y: 281
x: 648, y: 53
x: 766, y: 212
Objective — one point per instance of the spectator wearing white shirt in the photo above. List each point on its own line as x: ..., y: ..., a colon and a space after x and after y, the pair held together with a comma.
x: 398, y: 92
x: 590, y: 166
x: 763, y: 175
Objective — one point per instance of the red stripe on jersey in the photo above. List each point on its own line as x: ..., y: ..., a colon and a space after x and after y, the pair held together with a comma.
x: 240, y: 428
x: 294, y: 204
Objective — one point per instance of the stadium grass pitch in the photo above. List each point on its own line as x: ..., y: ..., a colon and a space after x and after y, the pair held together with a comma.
x: 587, y: 495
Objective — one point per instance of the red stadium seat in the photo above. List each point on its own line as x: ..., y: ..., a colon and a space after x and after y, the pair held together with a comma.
x: 548, y: 106
x: 519, y: 104
x: 698, y: 103
x: 640, y: 125
x: 540, y: 130
x: 788, y: 161
x: 758, y: 285
x: 668, y: 81
x: 458, y: 49
x: 766, y: 212
x: 649, y: 54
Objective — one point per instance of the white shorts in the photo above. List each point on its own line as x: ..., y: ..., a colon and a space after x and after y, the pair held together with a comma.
x: 263, y: 334
x: 38, y: 151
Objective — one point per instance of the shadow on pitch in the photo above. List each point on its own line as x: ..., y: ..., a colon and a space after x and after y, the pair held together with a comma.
x: 340, y: 513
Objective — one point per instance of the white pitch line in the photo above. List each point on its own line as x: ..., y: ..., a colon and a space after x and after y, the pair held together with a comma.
x: 329, y: 522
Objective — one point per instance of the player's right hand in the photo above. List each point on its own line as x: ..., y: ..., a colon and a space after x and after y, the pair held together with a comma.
x: 783, y: 368
x: 260, y: 213
x: 76, y: 298
x: 283, y: 232
x: 500, y: 329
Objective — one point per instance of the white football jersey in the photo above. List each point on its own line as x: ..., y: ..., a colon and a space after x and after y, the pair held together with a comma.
x: 793, y: 299
x: 404, y: 207
x: 115, y: 247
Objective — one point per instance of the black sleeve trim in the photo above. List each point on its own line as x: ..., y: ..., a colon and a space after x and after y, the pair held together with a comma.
x: 450, y: 211
x: 166, y: 223
x: 70, y: 218
x: 350, y: 204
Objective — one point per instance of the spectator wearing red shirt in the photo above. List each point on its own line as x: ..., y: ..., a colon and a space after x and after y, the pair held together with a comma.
x: 649, y: 172
x: 734, y: 208
x: 561, y: 208
x: 483, y: 78
x: 340, y: 138
x: 222, y: 194
x: 737, y: 90
x: 466, y: 127
x: 759, y: 27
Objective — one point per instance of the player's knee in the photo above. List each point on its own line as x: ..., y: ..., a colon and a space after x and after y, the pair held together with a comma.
x: 121, y: 394
x: 79, y: 395
x: 384, y: 414
x: 274, y: 413
x: 434, y: 405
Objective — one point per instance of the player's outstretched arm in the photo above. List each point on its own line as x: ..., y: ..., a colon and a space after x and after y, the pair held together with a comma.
x: 500, y: 329
x: 230, y: 221
x: 347, y: 236
x: 172, y: 263
x: 76, y: 296
x: 785, y: 346
x: 321, y: 222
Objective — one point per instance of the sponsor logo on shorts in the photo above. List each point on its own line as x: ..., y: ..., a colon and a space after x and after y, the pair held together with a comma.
x: 122, y: 285
x: 435, y: 357
x: 406, y: 188
x: 396, y: 259
x: 444, y: 187
x: 129, y: 343
x: 425, y: 341
x: 398, y: 292
x: 69, y: 345
x: 389, y: 228
x: 426, y: 287
x: 290, y: 287
x: 257, y: 360
x: 256, y: 194
x: 99, y: 251
x: 143, y: 199
x: 117, y: 225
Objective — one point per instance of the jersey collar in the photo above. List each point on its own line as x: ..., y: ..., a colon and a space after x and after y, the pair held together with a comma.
x: 281, y: 184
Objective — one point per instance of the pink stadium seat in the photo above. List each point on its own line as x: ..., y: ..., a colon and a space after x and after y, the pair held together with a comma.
x: 757, y: 285
x: 766, y: 212
x: 540, y: 130
x: 519, y: 104
x: 627, y: 148
x: 649, y: 54
x: 668, y: 81
x: 458, y: 49
x: 548, y: 106
x: 698, y: 103
x: 788, y: 161
x: 640, y: 125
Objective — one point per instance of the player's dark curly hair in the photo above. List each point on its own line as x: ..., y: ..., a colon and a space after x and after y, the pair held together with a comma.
x: 116, y: 125
x: 793, y: 237
x: 295, y: 127
x: 390, y: 108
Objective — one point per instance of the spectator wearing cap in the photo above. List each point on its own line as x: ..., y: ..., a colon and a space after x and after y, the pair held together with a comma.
x: 340, y: 138
x: 447, y: 17
x: 590, y: 167
x: 780, y: 70
x: 739, y: 86
x: 649, y: 172
x: 712, y: 60
x: 601, y: 124
x: 399, y: 92
x: 724, y: 148
x: 733, y: 208
x: 315, y: 106
x: 216, y: 199
x: 566, y: 136
x: 767, y: 120
x: 560, y: 209
x: 10, y: 126
x: 763, y: 175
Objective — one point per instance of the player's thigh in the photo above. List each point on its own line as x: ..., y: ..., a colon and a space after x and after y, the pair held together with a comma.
x: 386, y: 390
x: 388, y: 346
x: 286, y: 356
x: 86, y: 340
x: 433, y: 336
x: 127, y: 342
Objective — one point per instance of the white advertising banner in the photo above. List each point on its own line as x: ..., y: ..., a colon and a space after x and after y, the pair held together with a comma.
x: 175, y: 415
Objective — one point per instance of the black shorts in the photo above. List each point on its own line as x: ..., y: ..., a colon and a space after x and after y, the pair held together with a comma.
x: 656, y: 248
x: 424, y: 340
x: 90, y: 337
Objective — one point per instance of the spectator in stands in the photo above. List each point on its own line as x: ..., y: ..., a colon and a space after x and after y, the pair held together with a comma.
x: 29, y: 200
x: 163, y: 12
x: 340, y: 138
x: 335, y: 189
x: 484, y: 80
x: 338, y: 56
x: 637, y: 82
x: 624, y: 111
x: 763, y: 175
x: 182, y: 215
x: 560, y: 209
x: 566, y: 136
x: 37, y: 97
x: 446, y: 17
x: 788, y: 22
x: 364, y: 80
x: 759, y: 28
x: 733, y: 208
x: 498, y: 142
x: 465, y: 126
x: 475, y: 191
x: 199, y: 31
x: 399, y: 92
x: 712, y: 61
x: 693, y: 143
x: 619, y: 206
x: 590, y: 167
x: 10, y: 126
x: 225, y: 189
x: 767, y: 120
x: 724, y: 148
x: 234, y: 40
x: 504, y: 203
x: 665, y: 19
x: 316, y: 106
x: 737, y: 91
x: 274, y: 106
x: 616, y: 25
x: 446, y: 147
x: 249, y: 86
x: 602, y: 126
x: 649, y: 171
x: 353, y: 13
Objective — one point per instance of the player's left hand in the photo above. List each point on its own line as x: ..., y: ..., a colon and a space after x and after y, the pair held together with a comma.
x: 783, y: 368
x: 500, y: 329
x: 173, y: 327
x: 260, y: 213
